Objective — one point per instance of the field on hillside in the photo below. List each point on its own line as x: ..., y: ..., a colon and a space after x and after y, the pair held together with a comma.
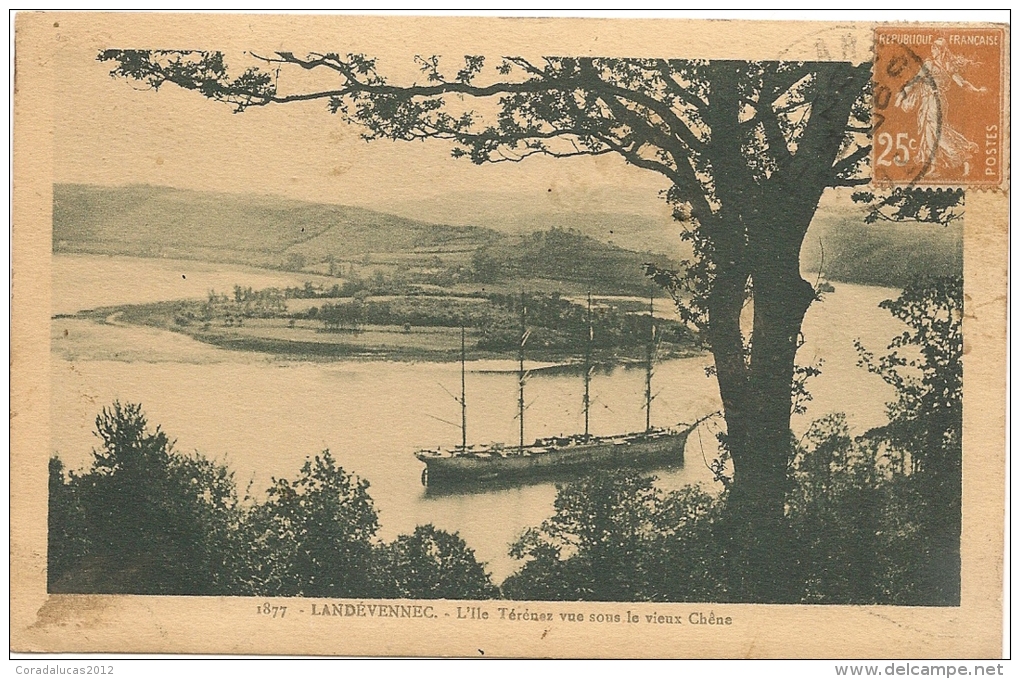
x: 332, y: 240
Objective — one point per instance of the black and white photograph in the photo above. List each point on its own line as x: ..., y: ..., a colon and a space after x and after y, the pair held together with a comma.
x: 512, y: 335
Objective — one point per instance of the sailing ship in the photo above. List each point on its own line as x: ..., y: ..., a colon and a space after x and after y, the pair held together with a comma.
x: 556, y: 455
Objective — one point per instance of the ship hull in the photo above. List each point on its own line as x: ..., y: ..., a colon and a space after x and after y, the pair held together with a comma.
x: 664, y: 450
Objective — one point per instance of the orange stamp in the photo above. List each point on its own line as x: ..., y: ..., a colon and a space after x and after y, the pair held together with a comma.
x: 938, y: 106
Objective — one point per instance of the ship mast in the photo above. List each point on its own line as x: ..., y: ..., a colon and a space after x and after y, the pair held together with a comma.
x: 463, y: 392
x: 587, y: 370
x: 648, y: 360
x: 520, y: 369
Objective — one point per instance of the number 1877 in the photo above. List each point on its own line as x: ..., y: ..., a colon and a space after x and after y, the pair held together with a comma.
x: 269, y: 609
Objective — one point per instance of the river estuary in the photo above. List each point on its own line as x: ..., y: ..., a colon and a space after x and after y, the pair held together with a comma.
x: 262, y: 415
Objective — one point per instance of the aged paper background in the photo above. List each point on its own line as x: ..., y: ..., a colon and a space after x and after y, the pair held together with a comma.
x: 47, y: 43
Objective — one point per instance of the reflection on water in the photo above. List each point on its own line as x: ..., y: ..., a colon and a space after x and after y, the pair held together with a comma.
x: 264, y: 416
x: 448, y: 488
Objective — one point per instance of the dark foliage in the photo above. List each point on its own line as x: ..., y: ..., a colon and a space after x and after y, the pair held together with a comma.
x: 925, y: 430
x: 558, y: 324
x: 143, y: 519
x: 433, y: 564
x: 912, y: 204
x: 312, y: 536
x: 616, y: 537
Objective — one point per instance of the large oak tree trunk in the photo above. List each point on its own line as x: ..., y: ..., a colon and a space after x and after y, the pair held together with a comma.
x: 757, y: 397
x: 755, y: 238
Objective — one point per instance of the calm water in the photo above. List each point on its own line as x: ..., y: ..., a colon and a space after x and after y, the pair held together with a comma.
x: 263, y: 416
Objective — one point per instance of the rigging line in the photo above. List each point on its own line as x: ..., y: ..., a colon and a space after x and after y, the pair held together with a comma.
x: 439, y: 419
x: 650, y: 398
x: 527, y: 406
x: 449, y: 393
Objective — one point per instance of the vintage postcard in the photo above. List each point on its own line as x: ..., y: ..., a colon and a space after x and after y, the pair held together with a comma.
x: 410, y: 336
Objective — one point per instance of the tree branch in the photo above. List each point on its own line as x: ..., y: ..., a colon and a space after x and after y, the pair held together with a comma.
x: 591, y: 80
x: 666, y: 70
x: 849, y: 164
x: 774, y: 135
x: 777, y: 83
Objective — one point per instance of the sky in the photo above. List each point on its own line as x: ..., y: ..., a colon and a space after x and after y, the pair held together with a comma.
x: 110, y: 132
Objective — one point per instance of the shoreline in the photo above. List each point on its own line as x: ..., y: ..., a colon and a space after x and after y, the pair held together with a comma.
x: 269, y: 347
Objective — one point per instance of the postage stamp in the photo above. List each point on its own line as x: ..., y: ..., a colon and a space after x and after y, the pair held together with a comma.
x: 440, y: 336
x: 938, y: 106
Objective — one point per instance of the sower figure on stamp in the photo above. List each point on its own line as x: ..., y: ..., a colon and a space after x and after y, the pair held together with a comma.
x: 945, y: 147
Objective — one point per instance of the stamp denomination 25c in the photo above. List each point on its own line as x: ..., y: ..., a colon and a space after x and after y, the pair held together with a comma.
x: 937, y: 106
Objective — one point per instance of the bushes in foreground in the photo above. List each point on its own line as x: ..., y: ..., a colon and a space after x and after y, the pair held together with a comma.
x: 145, y: 519
x: 860, y: 532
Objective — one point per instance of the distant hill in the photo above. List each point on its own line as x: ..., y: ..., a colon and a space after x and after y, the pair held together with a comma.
x: 639, y: 222
x: 267, y: 231
x: 150, y: 221
x: 844, y: 248
x: 566, y: 255
x: 599, y: 248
